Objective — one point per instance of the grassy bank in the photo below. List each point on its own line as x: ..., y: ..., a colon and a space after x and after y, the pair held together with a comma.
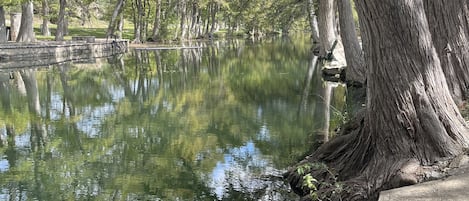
x: 81, y: 31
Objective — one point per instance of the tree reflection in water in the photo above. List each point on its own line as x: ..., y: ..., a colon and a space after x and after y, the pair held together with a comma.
x: 219, y: 122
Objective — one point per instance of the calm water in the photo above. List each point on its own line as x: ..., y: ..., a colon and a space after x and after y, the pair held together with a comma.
x: 221, y: 122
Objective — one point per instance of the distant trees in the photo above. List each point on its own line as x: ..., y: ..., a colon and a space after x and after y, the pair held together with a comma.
x: 45, y: 18
x: 60, y: 32
x: 140, y: 12
x: 184, y: 19
x: 157, y: 21
x: 114, y: 18
x: 3, y: 28
x: 26, y: 32
x: 202, y: 18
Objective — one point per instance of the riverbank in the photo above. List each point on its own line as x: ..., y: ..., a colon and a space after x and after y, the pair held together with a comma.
x: 18, y: 55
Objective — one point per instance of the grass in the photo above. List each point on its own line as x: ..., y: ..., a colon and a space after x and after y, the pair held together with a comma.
x: 96, y: 28
x: 81, y: 31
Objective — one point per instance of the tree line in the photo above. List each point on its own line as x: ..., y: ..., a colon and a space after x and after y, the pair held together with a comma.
x: 157, y: 20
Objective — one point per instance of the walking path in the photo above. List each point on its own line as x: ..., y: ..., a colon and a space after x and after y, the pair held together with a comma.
x: 453, y: 188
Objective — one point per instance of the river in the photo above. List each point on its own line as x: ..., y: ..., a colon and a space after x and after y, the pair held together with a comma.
x: 218, y: 121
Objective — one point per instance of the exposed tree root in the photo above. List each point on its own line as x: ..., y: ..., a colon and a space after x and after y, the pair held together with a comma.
x: 349, y: 168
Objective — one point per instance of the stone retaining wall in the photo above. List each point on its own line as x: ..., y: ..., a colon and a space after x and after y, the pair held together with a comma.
x: 17, y: 55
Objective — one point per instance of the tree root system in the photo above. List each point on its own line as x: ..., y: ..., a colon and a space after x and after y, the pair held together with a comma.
x: 346, y: 169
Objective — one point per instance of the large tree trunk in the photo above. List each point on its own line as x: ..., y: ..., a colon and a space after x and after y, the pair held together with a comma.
x: 194, y: 20
x: 66, y: 31
x: 45, y: 18
x: 120, y: 26
x: 26, y: 32
x: 313, y: 21
x: 449, y: 27
x: 145, y: 19
x: 113, y: 22
x: 15, y: 24
x: 410, y: 121
x: 207, y: 21
x: 157, y: 23
x: 214, y: 12
x: 3, y: 28
x: 326, y: 26
x: 355, y: 71
x: 59, y: 34
x: 183, y: 23
x: 137, y: 6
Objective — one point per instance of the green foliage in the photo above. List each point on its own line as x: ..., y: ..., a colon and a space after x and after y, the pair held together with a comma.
x: 81, y: 31
x: 236, y: 17
x: 8, y: 2
x: 326, y: 189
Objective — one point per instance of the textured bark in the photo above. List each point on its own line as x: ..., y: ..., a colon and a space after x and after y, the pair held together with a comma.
x: 120, y: 26
x: 214, y: 11
x: 326, y: 26
x: 137, y: 7
x: 313, y: 21
x: 355, y: 71
x: 45, y: 18
x: 115, y: 14
x: 3, y: 29
x: 410, y: 120
x: 157, y: 23
x: 66, y: 32
x: 410, y: 111
x: 183, y: 20
x: 448, y: 23
x: 323, y: 137
x: 145, y: 19
x: 195, y: 20
x: 26, y: 32
x: 59, y: 34
x: 15, y: 23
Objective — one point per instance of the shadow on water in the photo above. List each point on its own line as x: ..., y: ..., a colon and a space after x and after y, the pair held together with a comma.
x: 218, y: 122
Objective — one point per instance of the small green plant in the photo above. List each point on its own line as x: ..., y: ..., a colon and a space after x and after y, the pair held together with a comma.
x: 310, y: 182
x: 331, y: 188
x: 302, y: 169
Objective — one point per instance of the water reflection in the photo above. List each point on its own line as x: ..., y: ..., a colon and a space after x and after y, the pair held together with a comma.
x: 219, y: 122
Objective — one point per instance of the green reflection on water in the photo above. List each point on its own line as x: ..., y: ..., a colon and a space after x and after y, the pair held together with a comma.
x: 217, y: 122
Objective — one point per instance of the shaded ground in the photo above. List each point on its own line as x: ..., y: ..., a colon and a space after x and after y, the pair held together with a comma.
x: 455, y: 188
